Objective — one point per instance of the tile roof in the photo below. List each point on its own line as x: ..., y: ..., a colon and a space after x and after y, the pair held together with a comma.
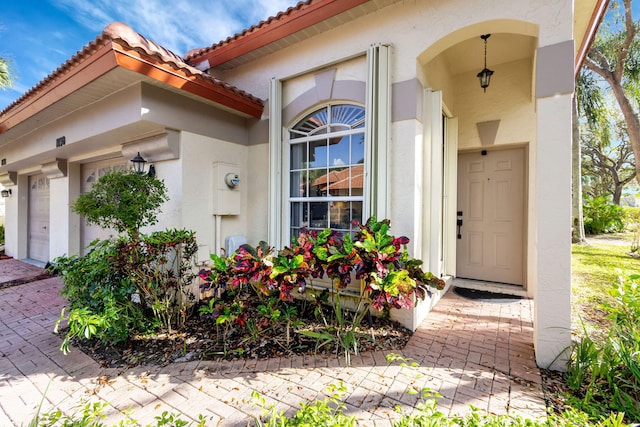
x: 131, y: 47
x: 294, y: 19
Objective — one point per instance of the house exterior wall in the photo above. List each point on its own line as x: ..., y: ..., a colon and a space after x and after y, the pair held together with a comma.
x: 332, y: 66
x: 418, y: 32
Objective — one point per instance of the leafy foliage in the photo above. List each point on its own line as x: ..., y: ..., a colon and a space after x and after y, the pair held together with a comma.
x: 122, y: 200
x: 389, y: 277
x: 160, y: 268
x: 601, y: 216
x: 605, y: 374
x: 93, y: 414
x: 99, y: 296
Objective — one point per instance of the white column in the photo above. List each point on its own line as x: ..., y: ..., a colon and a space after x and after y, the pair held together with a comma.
x: 275, y: 164
x: 552, y: 211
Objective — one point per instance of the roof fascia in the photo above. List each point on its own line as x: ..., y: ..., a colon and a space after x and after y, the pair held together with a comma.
x: 131, y: 60
x: 288, y: 24
x: 596, y: 18
x: 98, y: 64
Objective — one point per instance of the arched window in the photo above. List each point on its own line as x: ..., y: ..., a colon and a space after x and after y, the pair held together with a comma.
x: 327, y: 169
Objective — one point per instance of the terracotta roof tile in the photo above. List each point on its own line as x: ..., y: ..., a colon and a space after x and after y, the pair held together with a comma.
x: 193, y: 55
x: 123, y: 34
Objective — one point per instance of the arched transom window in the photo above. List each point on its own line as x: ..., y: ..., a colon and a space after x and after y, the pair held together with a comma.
x: 327, y: 169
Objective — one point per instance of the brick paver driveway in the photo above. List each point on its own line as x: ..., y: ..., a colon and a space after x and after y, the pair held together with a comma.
x: 470, y: 352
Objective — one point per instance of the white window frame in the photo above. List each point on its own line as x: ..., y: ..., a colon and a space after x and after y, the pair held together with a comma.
x: 288, y: 199
x: 377, y: 146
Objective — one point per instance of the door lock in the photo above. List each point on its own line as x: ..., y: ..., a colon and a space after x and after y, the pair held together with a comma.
x: 459, y: 224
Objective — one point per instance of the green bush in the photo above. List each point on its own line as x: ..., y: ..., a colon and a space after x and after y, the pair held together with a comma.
x: 122, y: 200
x: 601, y: 216
x: 160, y: 268
x: 605, y: 374
x: 1, y: 234
x: 99, y: 296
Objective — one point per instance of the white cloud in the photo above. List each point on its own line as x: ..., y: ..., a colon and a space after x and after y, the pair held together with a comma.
x: 178, y: 25
x: 338, y: 162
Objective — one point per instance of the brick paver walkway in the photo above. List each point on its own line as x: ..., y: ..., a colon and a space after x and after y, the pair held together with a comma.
x: 470, y: 352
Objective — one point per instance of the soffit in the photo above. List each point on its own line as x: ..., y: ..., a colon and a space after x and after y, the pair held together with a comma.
x: 116, y: 59
x: 116, y: 80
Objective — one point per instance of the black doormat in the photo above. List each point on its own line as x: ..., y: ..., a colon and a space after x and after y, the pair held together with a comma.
x: 486, y: 296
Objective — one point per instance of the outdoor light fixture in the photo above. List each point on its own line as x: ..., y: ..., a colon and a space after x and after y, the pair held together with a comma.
x: 485, y: 74
x: 138, y: 165
x: 6, y: 193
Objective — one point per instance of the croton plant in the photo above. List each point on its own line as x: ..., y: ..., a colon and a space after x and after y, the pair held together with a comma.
x: 381, y: 261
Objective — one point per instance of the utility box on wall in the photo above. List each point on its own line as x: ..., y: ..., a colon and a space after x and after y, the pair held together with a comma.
x: 227, y: 189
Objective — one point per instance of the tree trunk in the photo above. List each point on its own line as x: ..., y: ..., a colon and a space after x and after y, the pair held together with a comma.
x: 632, y: 121
x: 577, y: 224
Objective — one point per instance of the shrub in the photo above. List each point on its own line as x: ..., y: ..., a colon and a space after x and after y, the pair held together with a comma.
x: 601, y: 216
x: 390, y: 278
x: 160, y: 268
x: 122, y: 200
x: 605, y: 376
x: 99, y: 296
x: 1, y: 234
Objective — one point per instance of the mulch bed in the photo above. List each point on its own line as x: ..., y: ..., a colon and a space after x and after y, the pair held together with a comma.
x: 201, y: 339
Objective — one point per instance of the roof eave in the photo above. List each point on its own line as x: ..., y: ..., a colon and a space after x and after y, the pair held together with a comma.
x: 275, y: 30
x: 590, y: 34
x: 131, y: 60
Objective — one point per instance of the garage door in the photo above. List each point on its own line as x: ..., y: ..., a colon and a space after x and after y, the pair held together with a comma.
x: 38, y: 223
x: 91, y: 172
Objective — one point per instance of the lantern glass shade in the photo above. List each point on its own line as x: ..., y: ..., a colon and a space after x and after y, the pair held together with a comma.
x: 138, y: 163
x: 485, y: 78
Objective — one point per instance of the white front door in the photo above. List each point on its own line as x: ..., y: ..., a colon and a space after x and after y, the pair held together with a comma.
x: 91, y: 172
x: 491, y: 207
x: 38, y: 244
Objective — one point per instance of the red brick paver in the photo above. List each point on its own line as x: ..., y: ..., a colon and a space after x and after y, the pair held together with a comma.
x: 470, y: 352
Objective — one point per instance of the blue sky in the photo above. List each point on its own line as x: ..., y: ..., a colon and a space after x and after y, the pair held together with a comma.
x: 40, y: 35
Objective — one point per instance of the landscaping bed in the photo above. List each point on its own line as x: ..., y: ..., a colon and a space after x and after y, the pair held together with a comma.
x: 202, y: 339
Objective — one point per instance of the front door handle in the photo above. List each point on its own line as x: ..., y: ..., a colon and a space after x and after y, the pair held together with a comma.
x: 459, y: 223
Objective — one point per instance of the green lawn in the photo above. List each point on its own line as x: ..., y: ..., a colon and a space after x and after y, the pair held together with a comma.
x: 596, y: 268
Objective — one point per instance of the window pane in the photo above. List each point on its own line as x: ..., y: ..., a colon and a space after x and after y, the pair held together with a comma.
x: 340, y: 215
x: 351, y: 115
x: 319, y: 215
x: 339, y: 151
x: 318, y: 151
x: 299, y: 214
x: 313, y: 123
x: 339, y: 181
x: 298, y: 184
x: 356, y: 212
x: 357, y: 180
x: 318, y: 182
x: 357, y: 149
x: 298, y: 156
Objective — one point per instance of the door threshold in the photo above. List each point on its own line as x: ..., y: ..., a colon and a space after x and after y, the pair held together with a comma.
x: 499, y: 288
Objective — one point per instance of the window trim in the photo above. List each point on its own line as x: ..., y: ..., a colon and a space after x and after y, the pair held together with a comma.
x: 287, y: 199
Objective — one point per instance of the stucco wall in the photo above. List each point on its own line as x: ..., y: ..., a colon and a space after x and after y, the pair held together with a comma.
x: 195, y: 194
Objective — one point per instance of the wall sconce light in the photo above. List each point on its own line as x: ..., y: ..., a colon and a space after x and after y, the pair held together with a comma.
x: 485, y: 74
x: 6, y: 193
x: 138, y: 165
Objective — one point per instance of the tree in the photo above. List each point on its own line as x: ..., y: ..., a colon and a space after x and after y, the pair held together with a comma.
x: 608, y: 160
x: 123, y: 200
x: 6, y: 74
x: 615, y: 58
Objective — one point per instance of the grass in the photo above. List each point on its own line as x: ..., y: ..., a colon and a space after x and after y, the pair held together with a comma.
x: 596, y: 267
